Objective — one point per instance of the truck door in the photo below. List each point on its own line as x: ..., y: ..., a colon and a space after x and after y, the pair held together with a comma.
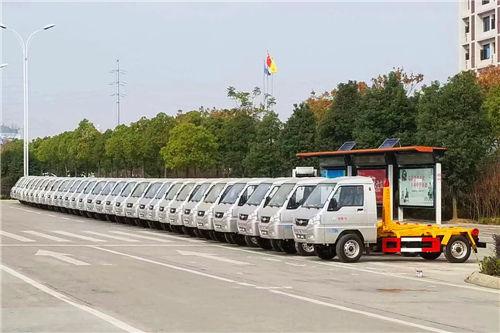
x: 350, y: 206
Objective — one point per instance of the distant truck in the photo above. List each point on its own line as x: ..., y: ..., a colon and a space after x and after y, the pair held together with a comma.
x: 340, y: 219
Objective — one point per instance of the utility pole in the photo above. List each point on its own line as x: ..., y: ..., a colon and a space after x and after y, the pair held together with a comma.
x: 118, y: 83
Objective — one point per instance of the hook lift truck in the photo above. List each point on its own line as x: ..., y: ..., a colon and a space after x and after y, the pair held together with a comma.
x: 349, y: 241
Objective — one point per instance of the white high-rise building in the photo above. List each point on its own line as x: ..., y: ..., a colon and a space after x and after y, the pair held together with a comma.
x: 479, y: 36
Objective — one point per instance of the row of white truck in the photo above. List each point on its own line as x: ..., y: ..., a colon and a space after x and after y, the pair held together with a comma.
x: 327, y: 217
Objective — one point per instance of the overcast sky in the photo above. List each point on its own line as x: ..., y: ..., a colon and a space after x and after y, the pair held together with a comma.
x: 183, y: 56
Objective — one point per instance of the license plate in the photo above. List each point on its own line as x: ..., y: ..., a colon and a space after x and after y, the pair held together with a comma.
x: 172, y: 220
x: 186, y: 221
x: 264, y: 232
x: 129, y: 213
x: 141, y: 215
x: 200, y: 224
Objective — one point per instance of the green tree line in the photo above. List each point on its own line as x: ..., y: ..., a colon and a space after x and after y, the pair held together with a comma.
x: 250, y: 140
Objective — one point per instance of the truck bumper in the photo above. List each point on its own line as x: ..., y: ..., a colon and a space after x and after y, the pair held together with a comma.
x: 248, y: 227
x: 276, y: 230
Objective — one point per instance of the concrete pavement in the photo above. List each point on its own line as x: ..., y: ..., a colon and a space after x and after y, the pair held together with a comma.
x: 62, y: 273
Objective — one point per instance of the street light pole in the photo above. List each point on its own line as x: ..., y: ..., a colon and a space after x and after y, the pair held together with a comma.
x: 25, y: 49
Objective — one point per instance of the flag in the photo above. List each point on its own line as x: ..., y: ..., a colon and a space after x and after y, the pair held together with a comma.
x: 270, y: 67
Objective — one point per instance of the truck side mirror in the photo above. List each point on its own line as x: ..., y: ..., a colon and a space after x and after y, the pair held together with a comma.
x: 267, y: 201
x: 332, y: 205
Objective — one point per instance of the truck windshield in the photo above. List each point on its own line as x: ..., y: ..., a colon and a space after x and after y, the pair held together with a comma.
x: 118, y: 188
x: 127, y: 189
x: 319, y: 195
x: 162, y: 191
x: 55, y: 185
x: 200, y: 192
x: 153, y: 188
x: 43, y: 184
x: 184, y: 192
x: 63, y: 186
x: 233, y: 193
x: 214, y: 192
x: 279, y: 197
x: 74, y: 186
x: 139, y: 190
x: 89, y: 187
x: 98, y: 188
x: 259, y: 194
x: 82, y: 186
x: 107, y: 188
x: 173, y: 191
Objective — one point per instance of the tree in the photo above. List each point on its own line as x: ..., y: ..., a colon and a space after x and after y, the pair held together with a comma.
x: 11, y: 158
x: 190, y: 147
x: 263, y: 158
x: 298, y: 135
x: 340, y: 119
x: 319, y: 104
x: 385, y: 111
x: 85, y: 136
x: 452, y: 116
x: 492, y: 109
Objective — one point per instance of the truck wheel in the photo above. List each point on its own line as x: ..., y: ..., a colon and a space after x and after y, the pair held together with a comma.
x: 287, y: 246
x: 229, y: 239
x: 251, y: 241
x: 325, y: 252
x: 349, y: 248
x: 220, y: 237
x: 304, y: 249
x: 264, y: 243
x: 458, y: 249
x: 275, y: 244
x: 430, y: 255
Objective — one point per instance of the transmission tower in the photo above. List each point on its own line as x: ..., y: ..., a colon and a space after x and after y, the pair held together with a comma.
x: 118, y: 83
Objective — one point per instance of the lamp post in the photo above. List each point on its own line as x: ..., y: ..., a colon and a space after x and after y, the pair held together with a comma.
x: 25, y: 48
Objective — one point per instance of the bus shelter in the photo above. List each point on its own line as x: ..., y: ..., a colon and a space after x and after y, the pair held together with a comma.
x: 414, y: 173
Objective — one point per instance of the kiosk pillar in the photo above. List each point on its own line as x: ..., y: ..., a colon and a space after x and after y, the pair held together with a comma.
x: 438, y: 192
x: 390, y: 175
x: 349, y: 170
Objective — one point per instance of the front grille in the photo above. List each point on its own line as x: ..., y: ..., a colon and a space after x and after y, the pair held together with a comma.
x: 201, y: 213
x: 151, y: 207
x: 187, y: 211
x: 142, y: 206
x: 98, y: 202
x: 89, y: 200
x: 265, y: 219
x: 219, y: 215
x: 301, y: 222
x: 243, y: 217
x: 172, y: 210
x: 129, y: 205
x: 161, y: 208
x: 108, y: 202
x: 78, y: 200
x: 117, y: 204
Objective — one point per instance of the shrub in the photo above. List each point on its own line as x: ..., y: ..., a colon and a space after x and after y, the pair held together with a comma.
x: 490, y: 266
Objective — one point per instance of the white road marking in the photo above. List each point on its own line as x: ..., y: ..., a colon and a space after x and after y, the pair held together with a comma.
x: 40, y: 234
x: 61, y: 256
x: 361, y: 312
x: 384, y: 273
x: 70, y: 234
x: 101, y: 315
x: 192, y: 271
x: 141, y: 236
x: 212, y: 257
x: 172, y: 237
x: 16, y: 237
x: 295, y: 265
x: 271, y: 259
x: 125, y: 239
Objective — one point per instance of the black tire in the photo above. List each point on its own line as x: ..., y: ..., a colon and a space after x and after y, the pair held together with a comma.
x: 220, y: 236
x: 228, y: 238
x: 458, y: 249
x: 165, y: 226
x: 349, y: 248
x: 187, y: 231
x: 151, y: 224
x: 264, y: 243
x: 304, y: 249
x: 212, y: 235
x: 275, y: 245
x: 239, y: 239
x: 430, y: 255
x: 325, y: 252
x: 251, y: 241
x: 287, y: 246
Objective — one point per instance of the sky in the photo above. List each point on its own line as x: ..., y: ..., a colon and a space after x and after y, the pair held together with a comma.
x: 180, y: 56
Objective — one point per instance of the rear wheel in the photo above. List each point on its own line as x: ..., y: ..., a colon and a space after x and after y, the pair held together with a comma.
x: 264, y: 243
x: 219, y: 236
x: 287, y: 246
x: 228, y: 237
x: 430, y: 255
x: 188, y: 231
x: 326, y: 252
x: 349, y: 248
x: 304, y: 249
x: 458, y: 249
x: 251, y: 241
x: 239, y: 239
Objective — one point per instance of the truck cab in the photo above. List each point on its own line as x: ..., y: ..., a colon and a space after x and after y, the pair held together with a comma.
x: 164, y: 204
x: 177, y: 205
x: 151, y: 216
x: 339, y: 211
x: 189, y: 210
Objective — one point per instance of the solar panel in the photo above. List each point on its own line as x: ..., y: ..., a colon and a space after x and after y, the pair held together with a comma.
x: 389, y: 143
x: 348, y: 145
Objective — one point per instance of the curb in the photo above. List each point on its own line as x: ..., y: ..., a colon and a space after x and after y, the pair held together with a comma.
x: 483, y: 280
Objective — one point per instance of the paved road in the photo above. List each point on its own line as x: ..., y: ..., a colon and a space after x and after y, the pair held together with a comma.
x: 62, y: 273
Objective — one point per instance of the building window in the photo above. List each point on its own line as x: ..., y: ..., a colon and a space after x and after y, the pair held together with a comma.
x: 486, y: 23
x: 493, y: 22
x: 485, y: 2
x: 467, y: 26
x: 467, y: 55
x: 485, y: 51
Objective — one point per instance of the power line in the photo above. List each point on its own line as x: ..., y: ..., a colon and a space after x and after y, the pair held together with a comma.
x: 118, y: 83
